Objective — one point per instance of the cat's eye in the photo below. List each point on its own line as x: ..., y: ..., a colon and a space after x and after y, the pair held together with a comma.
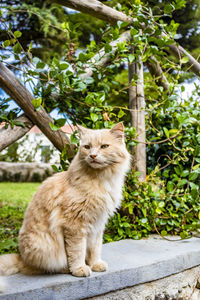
x: 104, y: 146
x: 86, y: 147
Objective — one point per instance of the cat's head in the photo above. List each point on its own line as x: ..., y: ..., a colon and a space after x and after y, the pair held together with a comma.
x: 102, y: 148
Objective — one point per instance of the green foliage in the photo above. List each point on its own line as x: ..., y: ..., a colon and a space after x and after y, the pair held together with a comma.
x: 14, y: 198
x: 169, y: 201
x: 151, y: 207
x: 186, y: 14
x: 39, y: 23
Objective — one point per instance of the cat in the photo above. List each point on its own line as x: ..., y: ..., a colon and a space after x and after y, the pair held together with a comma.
x: 63, y: 225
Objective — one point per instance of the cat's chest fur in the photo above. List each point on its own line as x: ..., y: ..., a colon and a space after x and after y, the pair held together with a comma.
x: 101, y: 196
x: 102, y: 193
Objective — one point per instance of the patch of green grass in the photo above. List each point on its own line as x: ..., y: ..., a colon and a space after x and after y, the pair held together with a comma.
x: 14, y: 198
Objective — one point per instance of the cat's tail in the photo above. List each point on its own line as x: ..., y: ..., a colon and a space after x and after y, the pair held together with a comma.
x: 13, y: 263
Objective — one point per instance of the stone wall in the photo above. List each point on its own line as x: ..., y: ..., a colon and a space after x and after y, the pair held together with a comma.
x: 24, y: 172
x: 181, y: 286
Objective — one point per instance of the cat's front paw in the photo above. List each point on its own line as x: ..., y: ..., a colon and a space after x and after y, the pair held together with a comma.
x: 83, y: 271
x: 100, y: 266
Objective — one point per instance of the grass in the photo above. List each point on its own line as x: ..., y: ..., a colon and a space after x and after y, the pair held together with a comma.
x: 14, y: 198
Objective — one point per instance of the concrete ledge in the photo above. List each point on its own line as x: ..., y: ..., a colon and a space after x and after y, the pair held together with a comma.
x: 130, y: 262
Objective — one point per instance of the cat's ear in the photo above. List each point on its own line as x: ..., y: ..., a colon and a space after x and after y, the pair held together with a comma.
x: 81, y: 130
x: 118, y: 131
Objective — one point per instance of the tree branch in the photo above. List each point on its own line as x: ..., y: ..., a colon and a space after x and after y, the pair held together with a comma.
x: 10, y: 135
x: 11, y: 85
x: 110, y: 15
x: 180, y: 52
x: 156, y: 70
x: 97, y: 9
x: 105, y: 57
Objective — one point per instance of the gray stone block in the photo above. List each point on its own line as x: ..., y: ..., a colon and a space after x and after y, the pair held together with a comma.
x: 130, y: 262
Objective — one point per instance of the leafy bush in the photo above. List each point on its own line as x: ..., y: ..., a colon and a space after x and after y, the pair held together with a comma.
x: 168, y: 202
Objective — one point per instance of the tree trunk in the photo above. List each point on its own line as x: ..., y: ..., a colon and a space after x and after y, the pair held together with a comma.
x: 137, y: 114
x: 10, y: 135
x: 11, y: 85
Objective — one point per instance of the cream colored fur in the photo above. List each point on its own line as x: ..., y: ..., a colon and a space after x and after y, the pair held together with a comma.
x: 63, y: 225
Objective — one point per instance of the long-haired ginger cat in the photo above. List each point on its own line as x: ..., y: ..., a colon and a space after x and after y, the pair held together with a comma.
x: 63, y: 225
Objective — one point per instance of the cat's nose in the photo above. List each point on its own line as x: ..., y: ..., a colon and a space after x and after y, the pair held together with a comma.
x: 93, y: 156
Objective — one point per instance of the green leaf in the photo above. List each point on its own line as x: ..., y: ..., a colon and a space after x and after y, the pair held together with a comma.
x: 131, y: 58
x: 193, y: 186
x: 182, y: 88
x: 134, y: 31
x: 55, y: 168
x: 168, y: 8
x: 108, y: 48
x: 94, y: 117
x: 88, y: 80
x: 37, y: 102
x: 161, y: 204
x: 40, y: 65
x: 17, y: 34
x: 166, y: 132
x: 184, y: 60
x: 183, y: 235
x: 185, y: 173
x: 74, y: 140
x: 80, y: 87
x: 124, y: 24
x: 63, y: 66
x: 82, y: 57
x: 172, y: 132
x: 121, y: 113
x: 182, y: 182
x: 163, y: 233
x: 53, y: 126
x: 60, y: 122
x: 17, y: 48
x: 177, y: 170
x: 19, y: 123
x: 6, y: 43
x: 120, y: 231
x: 158, y: 210
x: 193, y: 176
x: 194, y: 193
x: 172, y: 97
